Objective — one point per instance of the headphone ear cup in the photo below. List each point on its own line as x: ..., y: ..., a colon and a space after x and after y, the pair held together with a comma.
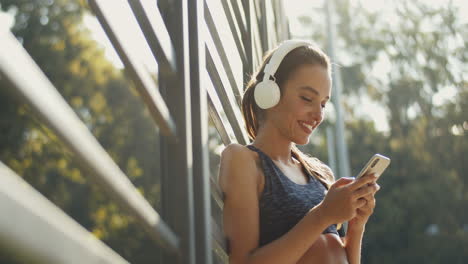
x: 267, y: 94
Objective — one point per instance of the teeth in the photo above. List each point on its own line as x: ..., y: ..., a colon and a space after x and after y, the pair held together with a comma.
x: 307, y: 125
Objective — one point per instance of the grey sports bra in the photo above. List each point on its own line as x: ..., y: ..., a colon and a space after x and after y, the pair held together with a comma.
x: 283, y: 203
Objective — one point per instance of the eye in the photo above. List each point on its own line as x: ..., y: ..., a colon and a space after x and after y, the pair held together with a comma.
x: 306, y: 99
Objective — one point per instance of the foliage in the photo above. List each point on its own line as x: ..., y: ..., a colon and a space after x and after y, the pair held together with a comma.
x: 53, y: 34
x: 421, y: 214
x: 421, y: 209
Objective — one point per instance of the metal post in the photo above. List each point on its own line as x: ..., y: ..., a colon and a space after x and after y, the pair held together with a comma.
x: 343, y: 160
x: 177, y: 182
x: 331, y: 148
x: 201, y: 174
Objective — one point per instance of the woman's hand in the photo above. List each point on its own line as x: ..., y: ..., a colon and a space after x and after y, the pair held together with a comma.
x: 346, y: 196
x: 364, y: 212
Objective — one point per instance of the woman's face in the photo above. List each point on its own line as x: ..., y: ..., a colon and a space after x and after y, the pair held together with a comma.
x: 301, y: 107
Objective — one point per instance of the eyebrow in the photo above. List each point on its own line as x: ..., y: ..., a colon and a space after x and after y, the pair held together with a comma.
x: 313, y: 90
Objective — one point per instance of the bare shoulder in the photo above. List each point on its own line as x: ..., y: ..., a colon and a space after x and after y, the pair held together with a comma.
x: 235, y: 153
x: 238, y: 174
x: 238, y: 166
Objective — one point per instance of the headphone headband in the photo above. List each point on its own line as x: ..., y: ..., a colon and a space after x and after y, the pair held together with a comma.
x: 284, y: 48
x: 267, y: 92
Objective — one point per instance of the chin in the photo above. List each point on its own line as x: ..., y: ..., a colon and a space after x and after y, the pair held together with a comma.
x: 302, y: 141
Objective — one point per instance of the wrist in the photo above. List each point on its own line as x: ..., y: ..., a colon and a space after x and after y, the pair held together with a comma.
x: 356, y: 228
x: 322, y: 215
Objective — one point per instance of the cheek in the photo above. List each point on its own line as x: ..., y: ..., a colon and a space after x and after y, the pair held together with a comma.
x: 300, y: 110
x: 295, y: 110
x: 296, y: 113
x: 288, y: 112
x: 286, y: 115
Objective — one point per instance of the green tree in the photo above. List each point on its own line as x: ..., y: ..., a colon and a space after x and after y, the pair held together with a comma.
x: 419, y: 216
x: 52, y: 32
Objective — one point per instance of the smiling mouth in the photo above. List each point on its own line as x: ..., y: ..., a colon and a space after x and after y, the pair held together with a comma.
x: 308, y: 126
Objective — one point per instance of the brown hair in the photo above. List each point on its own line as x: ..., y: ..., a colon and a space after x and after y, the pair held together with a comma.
x: 254, y: 115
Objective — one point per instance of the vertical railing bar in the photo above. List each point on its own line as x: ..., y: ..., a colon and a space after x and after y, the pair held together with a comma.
x: 201, y: 174
x: 178, y: 204
x: 164, y: 160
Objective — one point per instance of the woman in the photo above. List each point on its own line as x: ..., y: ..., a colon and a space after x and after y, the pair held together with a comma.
x: 281, y: 206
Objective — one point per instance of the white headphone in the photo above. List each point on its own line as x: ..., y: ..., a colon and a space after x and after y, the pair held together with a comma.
x: 267, y: 92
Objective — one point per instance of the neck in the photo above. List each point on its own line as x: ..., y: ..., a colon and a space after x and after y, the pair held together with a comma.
x: 274, y: 144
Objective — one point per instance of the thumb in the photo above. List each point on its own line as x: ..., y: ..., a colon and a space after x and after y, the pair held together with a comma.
x: 342, y: 181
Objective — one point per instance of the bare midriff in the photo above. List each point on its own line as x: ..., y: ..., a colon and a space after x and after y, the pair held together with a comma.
x: 328, y: 249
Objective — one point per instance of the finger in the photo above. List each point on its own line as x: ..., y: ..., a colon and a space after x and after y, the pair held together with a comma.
x: 370, y: 201
x: 363, y: 212
x: 361, y: 202
x: 366, y: 209
x: 367, y: 190
x: 342, y: 181
x: 364, y: 180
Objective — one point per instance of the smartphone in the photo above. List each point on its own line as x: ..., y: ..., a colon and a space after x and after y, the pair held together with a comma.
x: 377, y: 164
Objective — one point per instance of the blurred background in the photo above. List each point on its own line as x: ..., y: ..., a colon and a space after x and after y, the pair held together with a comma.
x: 404, y: 75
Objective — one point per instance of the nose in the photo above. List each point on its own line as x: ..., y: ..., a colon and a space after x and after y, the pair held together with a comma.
x: 317, y: 114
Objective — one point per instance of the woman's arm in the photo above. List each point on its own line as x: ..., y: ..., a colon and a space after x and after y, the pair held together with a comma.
x: 356, y: 227
x: 352, y: 244
x: 238, y: 180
